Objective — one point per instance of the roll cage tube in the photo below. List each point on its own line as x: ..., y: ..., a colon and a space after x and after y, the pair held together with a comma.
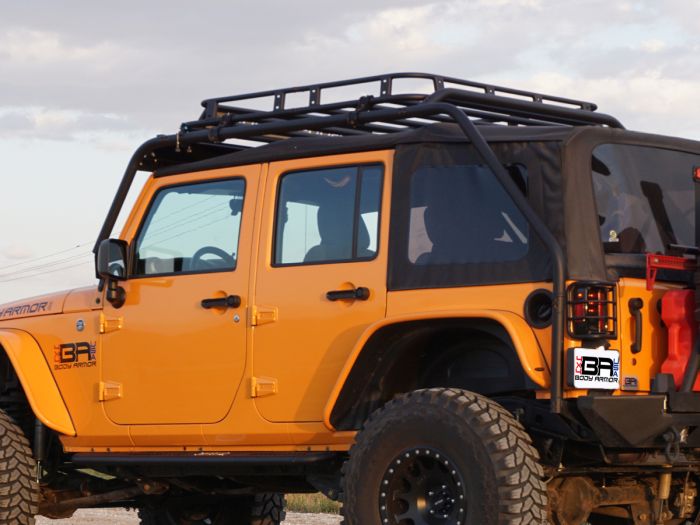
x: 231, y: 130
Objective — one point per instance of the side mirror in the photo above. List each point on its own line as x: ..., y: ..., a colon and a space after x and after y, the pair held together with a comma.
x: 111, y: 260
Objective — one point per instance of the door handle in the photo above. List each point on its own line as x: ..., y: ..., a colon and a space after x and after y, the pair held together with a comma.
x: 635, y: 306
x: 232, y: 301
x: 360, y: 294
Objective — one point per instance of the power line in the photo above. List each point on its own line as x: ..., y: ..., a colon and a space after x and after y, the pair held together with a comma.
x: 38, y: 267
x: 42, y: 273
x: 182, y: 233
x: 27, y: 261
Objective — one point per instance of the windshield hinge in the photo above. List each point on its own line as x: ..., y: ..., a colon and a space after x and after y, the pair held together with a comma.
x: 110, y: 390
x: 110, y: 324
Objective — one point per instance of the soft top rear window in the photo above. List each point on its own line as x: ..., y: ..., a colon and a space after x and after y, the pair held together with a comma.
x: 645, y: 198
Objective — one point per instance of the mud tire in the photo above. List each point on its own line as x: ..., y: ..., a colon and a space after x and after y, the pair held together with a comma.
x: 492, y: 463
x: 19, y: 490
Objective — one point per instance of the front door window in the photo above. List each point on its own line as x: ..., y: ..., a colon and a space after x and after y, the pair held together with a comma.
x: 191, y: 228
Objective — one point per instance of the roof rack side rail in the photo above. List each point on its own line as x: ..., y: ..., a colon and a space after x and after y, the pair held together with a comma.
x: 384, y: 87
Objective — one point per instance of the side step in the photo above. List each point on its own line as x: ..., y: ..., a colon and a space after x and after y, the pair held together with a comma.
x: 210, y: 463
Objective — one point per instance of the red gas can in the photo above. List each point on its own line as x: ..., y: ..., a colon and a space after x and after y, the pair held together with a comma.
x: 677, y: 312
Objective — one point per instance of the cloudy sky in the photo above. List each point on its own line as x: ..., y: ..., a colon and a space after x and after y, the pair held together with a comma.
x: 83, y: 83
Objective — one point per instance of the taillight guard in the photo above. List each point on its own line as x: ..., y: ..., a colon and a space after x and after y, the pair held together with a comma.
x: 592, y: 310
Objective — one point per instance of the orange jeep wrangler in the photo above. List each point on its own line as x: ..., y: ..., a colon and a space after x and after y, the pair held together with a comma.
x: 471, y: 305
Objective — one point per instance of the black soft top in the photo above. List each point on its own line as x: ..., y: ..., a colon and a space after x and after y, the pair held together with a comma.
x: 316, y: 146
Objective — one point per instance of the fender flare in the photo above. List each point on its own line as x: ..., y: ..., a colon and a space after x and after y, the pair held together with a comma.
x: 36, y: 378
x: 534, y: 363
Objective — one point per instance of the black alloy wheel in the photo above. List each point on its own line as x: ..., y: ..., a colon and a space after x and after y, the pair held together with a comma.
x: 423, y: 486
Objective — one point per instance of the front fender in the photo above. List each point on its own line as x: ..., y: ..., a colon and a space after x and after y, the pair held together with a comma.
x: 526, y: 346
x: 35, y: 375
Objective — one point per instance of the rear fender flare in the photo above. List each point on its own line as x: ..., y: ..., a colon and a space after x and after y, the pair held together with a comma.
x: 524, y: 341
x: 37, y: 381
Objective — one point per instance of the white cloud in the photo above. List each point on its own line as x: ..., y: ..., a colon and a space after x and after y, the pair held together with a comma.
x: 654, y: 45
x: 27, y: 46
x: 400, y: 29
x: 17, y: 252
x: 646, y: 101
x: 58, y: 124
x: 529, y: 4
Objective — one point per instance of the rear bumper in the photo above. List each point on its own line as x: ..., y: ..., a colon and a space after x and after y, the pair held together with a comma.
x: 651, y: 421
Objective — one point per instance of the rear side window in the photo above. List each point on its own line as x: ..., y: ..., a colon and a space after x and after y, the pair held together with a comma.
x: 329, y: 215
x: 453, y: 224
x: 462, y: 214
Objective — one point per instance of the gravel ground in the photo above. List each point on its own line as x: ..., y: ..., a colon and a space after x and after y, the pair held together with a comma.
x: 123, y: 517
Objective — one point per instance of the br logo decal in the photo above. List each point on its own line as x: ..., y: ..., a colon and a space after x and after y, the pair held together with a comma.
x: 75, y: 355
x: 598, y: 366
x: 594, y: 368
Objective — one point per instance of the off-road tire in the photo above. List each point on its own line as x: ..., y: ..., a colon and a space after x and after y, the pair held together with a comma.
x: 260, y: 509
x: 19, y: 491
x: 480, y: 441
x: 264, y: 509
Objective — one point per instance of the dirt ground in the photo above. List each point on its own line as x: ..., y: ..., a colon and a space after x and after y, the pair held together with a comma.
x: 123, y: 517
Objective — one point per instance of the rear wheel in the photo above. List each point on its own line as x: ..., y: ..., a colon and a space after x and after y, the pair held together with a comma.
x: 19, y: 490
x: 260, y: 509
x: 443, y: 457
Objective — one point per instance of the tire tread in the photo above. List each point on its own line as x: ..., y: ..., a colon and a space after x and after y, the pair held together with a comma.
x: 19, y: 490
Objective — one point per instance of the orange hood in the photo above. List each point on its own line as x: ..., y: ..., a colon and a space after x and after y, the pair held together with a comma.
x: 69, y: 300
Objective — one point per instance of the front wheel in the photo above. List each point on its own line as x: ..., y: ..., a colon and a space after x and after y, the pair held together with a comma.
x: 19, y: 490
x: 443, y: 457
x: 260, y: 509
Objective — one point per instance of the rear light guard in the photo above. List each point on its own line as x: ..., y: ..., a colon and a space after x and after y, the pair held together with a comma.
x: 592, y: 310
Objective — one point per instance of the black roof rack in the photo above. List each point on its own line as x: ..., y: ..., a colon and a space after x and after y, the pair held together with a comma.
x: 483, y: 103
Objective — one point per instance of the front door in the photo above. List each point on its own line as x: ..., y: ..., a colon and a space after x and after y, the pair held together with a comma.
x: 169, y: 357
x: 321, y: 277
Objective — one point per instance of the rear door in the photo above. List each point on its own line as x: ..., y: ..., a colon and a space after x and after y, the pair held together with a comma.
x: 321, y: 277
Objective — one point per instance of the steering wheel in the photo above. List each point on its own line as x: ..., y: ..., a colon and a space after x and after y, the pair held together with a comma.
x: 198, y: 262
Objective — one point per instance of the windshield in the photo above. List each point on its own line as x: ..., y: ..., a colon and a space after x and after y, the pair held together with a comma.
x: 645, y: 197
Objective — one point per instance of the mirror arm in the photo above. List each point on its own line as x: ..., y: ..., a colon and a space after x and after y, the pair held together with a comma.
x: 116, y: 295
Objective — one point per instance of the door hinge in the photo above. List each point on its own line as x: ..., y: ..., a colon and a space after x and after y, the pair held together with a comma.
x: 262, y: 315
x: 263, y: 386
x: 110, y: 390
x: 110, y: 325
